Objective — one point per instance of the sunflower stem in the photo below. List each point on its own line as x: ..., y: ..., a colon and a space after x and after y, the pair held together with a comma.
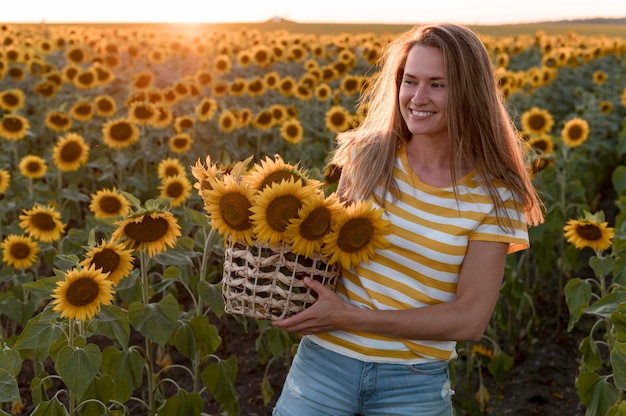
x: 145, y: 291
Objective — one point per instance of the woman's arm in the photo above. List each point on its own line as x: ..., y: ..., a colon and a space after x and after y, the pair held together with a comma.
x: 464, y: 319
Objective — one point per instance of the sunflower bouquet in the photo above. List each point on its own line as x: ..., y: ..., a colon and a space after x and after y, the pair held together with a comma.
x: 278, y: 227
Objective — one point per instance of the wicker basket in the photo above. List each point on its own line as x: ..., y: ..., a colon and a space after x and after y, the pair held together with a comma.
x: 265, y: 282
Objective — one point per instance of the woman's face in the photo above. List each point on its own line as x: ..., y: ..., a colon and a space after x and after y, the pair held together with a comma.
x: 423, y: 93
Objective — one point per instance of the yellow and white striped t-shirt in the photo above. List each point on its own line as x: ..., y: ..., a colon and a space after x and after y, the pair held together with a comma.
x: 429, y: 238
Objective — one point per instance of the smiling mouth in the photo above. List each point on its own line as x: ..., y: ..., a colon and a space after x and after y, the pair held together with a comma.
x: 421, y: 113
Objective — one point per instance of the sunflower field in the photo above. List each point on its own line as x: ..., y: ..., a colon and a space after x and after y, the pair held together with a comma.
x: 111, y: 269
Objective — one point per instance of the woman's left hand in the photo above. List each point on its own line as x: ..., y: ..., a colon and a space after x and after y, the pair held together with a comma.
x: 324, y: 315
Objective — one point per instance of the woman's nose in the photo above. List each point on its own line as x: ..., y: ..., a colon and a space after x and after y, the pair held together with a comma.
x: 419, y: 95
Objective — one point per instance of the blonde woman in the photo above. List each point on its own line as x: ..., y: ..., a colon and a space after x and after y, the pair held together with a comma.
x: 440, y: 154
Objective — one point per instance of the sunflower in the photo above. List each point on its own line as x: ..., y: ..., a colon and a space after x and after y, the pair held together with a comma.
x: 350, y: 85
x: 227, y: 121
x: 42, y: 223
x: 537, y: 121
x: 264, y: 120
x: 359, y: 230
x: 183, y: 123
x: 13, y: 127
x: 205, y: 174
x: 120, y: 133
x: 142, y: 113
x: 286, y: 86
x: 143, y: 80
x: 180, y: 143
x: 153, y: 229
x: 46, y: 89
x: 587, y: 232
x: 107, y: 203
x: 70, y: 152
x: 105, y: 106
x: 164, y: 116
x: 268, y: 172
x: 170, y: 167
x: 575, y: 132
x: 228, y: 205
x: 178, y: 188
x: 114, y: 260
x: 291, y: 131
x: 314, y: 221
x: 20, y: 251
x: 605, y: 106
x: 542, y: 143
x: 5, y: 180
x: 275, y: 206
x: 256, y: 87
x: 33, y: 166
x: 82, y: 293
x: 600, y: 77
x: 338, y: 119
x: 58, y: 121
x: 323, y: 92
x: 271, y: 79
x: 222, y: 64
x: 11, y: 100
x: 206, y: 109
x: 86, y: 79
x: 82, y: 111
x: 278, y: 112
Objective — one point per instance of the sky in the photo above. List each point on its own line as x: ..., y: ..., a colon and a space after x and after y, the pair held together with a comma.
x: 480, y: 12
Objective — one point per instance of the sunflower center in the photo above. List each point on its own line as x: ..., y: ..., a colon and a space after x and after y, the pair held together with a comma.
x: 282, y: 209
x: 589, y: 232
x: 277, y: 177
x: 59, y: 120
x: 33, y: 166
x: 292, y: 131
x: 355, y: 234
x: 71, y: 152
x: 172, y: 171
x: 121, y: 132
x: 12, y: 124
x: 147, y: 230
x: 82, y: 292
x: 104, y: 106
x: 575, y: 133
x: 143, y: 112
x: 180, y: 142
x: 316, y: 225
x: 175, y: 189
x: 234, y: 208
x: 10, y: 99
x: 110, y: 204
x: 108, y: 260
x: 43, y: 221
x: 20, y: 251
x: 537, y: 122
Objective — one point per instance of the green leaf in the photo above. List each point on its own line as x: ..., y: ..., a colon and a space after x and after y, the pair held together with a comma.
x: 618, y: 319
x: 183, y: 404
x: 595, y: 392
x: 618, y: 362
x: 196, y: 335
x: 11, y: 306
x: 266, y: 390
x: 617, y: 410
x: 38, y: 334
x: 78, y: 367
x: 198, y: 218
x: 607, y: 304
x: 590, y: 354
x: 577, y: 297
x: 9, y: 390
x: 50, y: 408
x: 42, y: 287
x: 601, y: 266
x: 126, y: 368
x: 499, y: 365
x: 112, y: 322
x: 11, y: 361
x: 156, y: 321
x: 211, y: 294
x: 219, y: 379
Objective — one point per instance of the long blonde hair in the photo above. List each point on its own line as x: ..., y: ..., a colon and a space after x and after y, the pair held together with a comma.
x: 482, y: 134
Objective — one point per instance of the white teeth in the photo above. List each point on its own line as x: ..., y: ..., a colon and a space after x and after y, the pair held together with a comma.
x: 421, y: 113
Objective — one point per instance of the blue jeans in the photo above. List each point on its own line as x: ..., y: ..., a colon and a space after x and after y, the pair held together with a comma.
x: 322, y: 382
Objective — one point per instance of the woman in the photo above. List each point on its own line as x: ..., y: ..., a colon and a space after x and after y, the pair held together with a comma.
x: 440, y: 154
